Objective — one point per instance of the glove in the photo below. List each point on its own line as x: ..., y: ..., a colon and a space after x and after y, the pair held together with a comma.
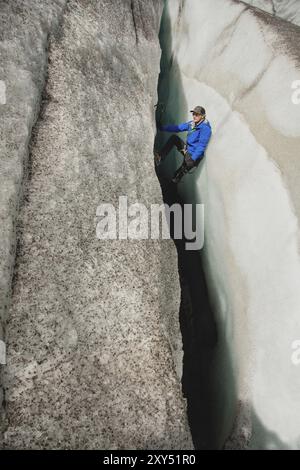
x: 189, y: 162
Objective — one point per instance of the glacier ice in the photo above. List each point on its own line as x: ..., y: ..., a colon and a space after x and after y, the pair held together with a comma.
x: 241, y: 67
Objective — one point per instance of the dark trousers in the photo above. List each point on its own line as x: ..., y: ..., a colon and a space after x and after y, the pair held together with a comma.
x: 187, y: 163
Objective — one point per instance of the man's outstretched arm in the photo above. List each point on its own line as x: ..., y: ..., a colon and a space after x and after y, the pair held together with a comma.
x: 174, y: 128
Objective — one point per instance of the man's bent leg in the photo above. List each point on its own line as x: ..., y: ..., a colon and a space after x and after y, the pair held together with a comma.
x: 173, y: 140
x: 189, y: 162
x: 187, y: 165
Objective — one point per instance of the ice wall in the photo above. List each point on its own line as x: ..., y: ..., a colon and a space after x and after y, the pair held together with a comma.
x: 288, y: 10
x: 23, y: 66
x: 92, y: 324
x: 241, y: 65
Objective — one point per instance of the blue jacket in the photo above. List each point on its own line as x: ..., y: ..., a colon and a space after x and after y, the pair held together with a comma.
x: 197, y: 137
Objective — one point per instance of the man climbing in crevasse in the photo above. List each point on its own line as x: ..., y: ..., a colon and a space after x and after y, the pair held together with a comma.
x: 199, y: 133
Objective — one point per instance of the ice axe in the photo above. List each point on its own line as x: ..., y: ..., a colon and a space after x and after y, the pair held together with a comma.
x: 160, y: 109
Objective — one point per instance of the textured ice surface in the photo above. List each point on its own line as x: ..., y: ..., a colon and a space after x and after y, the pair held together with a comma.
x: 92, y: 324
x: 288, y: 10
x: 240, y: 65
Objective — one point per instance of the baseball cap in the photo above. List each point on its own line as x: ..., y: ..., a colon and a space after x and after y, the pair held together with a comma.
x: 199, y: 110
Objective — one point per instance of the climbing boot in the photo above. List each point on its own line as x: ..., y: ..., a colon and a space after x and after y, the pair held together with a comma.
x: 179, y: 173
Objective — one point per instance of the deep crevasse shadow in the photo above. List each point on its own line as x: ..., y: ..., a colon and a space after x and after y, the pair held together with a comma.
x: 199, y: 338
x: 210, y: 399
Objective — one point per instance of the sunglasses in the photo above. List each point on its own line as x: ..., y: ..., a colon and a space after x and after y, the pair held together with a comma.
x: 196, y: 114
